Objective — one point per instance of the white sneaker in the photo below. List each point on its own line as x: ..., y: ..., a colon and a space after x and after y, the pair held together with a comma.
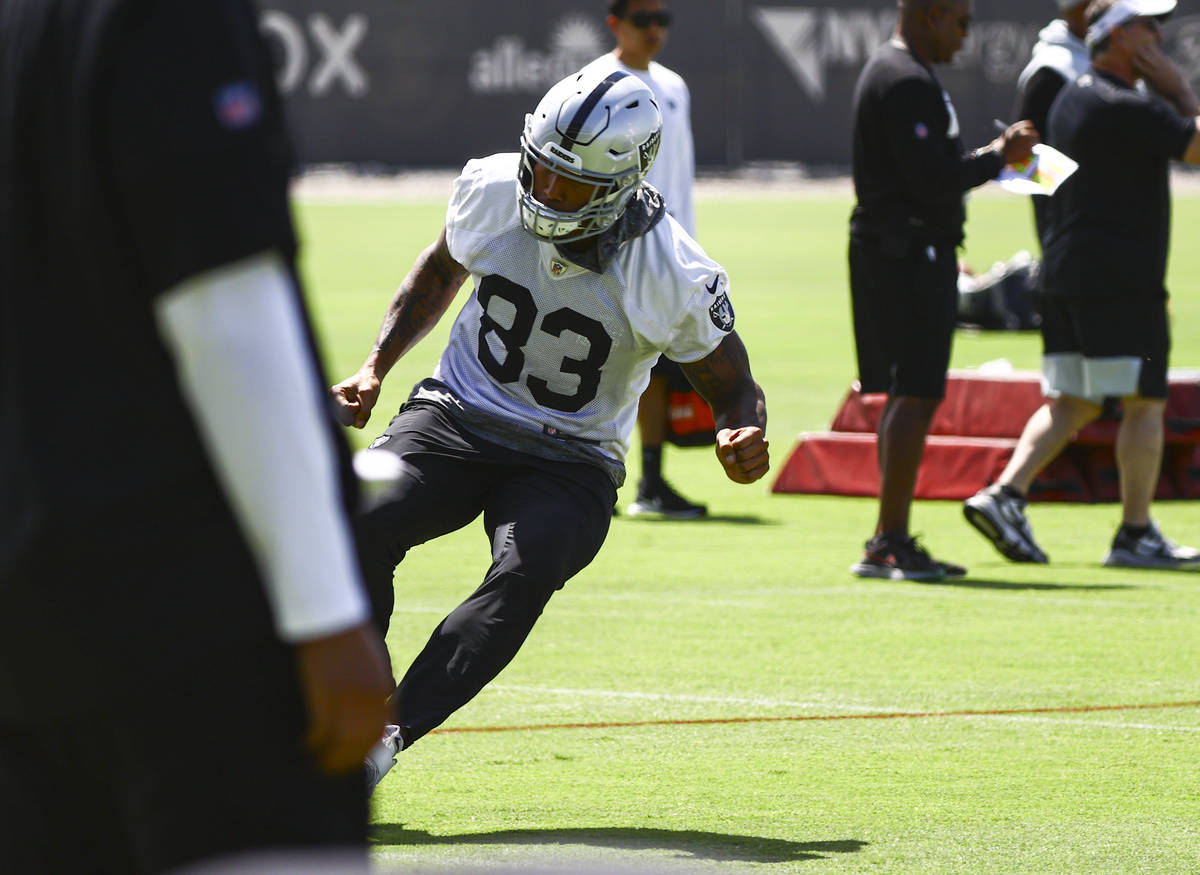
x: 1151, y: 550
x: 1000, y: 518
x: 382, y: 756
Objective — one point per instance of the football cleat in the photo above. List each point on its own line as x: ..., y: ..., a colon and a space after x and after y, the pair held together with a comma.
x: 899, y: 557
x: 382, y: 756
x: 659, y: 498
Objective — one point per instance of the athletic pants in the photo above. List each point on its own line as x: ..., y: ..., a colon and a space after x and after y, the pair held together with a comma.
x: 545, y: 521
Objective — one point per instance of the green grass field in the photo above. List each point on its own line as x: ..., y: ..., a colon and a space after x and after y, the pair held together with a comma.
x: 723, y: 696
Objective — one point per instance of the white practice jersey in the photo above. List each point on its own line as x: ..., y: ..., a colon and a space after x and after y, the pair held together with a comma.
x: 1061, y: 51
x: 674, y: 170
x: 553, y: 349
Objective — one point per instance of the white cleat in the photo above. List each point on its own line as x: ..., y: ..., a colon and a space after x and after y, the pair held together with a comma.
x: 382, y: 756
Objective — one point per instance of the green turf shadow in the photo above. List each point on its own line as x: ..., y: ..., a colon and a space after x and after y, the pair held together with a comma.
x: 982, y: 583
x: 696, y: 844
x: 736, y: 519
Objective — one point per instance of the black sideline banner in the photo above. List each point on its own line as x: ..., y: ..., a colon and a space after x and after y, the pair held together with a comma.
x: 431, y: 83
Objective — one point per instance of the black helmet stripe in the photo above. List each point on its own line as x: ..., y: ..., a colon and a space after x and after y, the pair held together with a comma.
x: 585, y: 108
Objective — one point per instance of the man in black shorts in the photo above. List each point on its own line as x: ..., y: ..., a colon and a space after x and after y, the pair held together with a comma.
x: 183, y: 677
x: 910, y: 173
x: 1104, y: 326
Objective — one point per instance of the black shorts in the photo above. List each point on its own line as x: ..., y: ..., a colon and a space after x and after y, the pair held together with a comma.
x: 1106, y: 346
x: 670, y: 371
x: 904, y: 308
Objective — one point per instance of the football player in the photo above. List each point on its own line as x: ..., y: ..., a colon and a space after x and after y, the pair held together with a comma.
x: 581, y: 280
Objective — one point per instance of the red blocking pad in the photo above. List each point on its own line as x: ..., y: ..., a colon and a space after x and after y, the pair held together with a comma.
x: 975, y: 405
x: 1100, y: 468
x: 987, y: 405
x: 833, y: 463
x: 1182, y: 465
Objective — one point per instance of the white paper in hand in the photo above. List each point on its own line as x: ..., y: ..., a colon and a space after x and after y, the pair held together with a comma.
x: 1043, y: 173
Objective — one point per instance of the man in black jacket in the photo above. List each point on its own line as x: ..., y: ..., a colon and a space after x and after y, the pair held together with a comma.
x: 184, y: 647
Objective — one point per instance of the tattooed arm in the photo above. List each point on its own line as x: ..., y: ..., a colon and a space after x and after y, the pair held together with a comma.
x: 739, y: 407
x: 418, y: 304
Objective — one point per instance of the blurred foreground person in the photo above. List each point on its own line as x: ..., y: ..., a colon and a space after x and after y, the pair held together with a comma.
x: 187, y: 674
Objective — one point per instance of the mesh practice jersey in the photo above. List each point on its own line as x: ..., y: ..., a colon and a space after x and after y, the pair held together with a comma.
x: 552, y: 349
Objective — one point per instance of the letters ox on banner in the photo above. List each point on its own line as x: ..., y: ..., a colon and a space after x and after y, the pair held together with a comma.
x: 416, y: 83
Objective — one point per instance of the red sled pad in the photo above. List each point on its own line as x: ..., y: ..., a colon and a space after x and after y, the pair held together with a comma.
x: 988, y: 405
x: 976, y: 405
x: 836, y: 463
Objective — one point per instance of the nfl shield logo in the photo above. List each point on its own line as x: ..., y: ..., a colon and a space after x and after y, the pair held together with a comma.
x: 558, y: 268
x: 238, y: 105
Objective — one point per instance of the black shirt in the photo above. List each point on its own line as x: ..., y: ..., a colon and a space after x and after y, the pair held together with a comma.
x: 1034, y: 104
x: 141, y: 143
x: 1109, y: 224
x: 910, y: 167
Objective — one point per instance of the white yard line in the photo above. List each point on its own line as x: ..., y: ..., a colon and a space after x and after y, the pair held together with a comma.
x: 764, y: 702
x: 678, y: 697
x: 1075, y: 721
x: 761, y: 599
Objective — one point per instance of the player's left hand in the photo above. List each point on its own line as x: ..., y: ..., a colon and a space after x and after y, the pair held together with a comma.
x: 346, y: 681
x: 743, y: 453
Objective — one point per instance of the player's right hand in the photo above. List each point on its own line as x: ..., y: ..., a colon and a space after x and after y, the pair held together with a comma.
x: 1018, y: 141
x: 1159, y: 72
x: 355, y: 397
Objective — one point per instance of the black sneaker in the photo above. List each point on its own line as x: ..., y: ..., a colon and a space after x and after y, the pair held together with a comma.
x: 659, y: 498
x: 1150, y: 550
x: 950, y: 570
x: 899, y: 557
x: 1000, y: 518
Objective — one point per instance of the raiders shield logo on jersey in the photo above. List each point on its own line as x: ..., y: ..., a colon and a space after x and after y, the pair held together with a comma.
x: 721, y: 313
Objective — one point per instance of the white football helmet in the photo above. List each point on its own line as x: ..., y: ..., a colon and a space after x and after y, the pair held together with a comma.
x: 601, y: 130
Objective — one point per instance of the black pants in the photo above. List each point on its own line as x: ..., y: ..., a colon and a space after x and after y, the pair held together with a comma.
x: 545, y: 520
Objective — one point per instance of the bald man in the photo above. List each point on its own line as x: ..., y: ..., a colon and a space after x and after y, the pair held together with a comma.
x: 910, y: 173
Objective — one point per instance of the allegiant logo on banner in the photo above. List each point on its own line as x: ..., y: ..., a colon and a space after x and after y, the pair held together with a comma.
x: 811, y: 40
x: 509, y: 67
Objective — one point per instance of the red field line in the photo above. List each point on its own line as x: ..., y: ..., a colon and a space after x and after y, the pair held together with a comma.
x: 887, y: 715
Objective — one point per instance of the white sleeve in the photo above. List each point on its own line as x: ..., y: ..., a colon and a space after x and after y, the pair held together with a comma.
x: 246, y: 372
x: 687, y: 161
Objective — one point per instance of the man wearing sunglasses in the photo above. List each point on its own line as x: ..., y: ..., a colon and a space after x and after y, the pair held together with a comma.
x: 1104, y: 311
x: 640, y: 28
